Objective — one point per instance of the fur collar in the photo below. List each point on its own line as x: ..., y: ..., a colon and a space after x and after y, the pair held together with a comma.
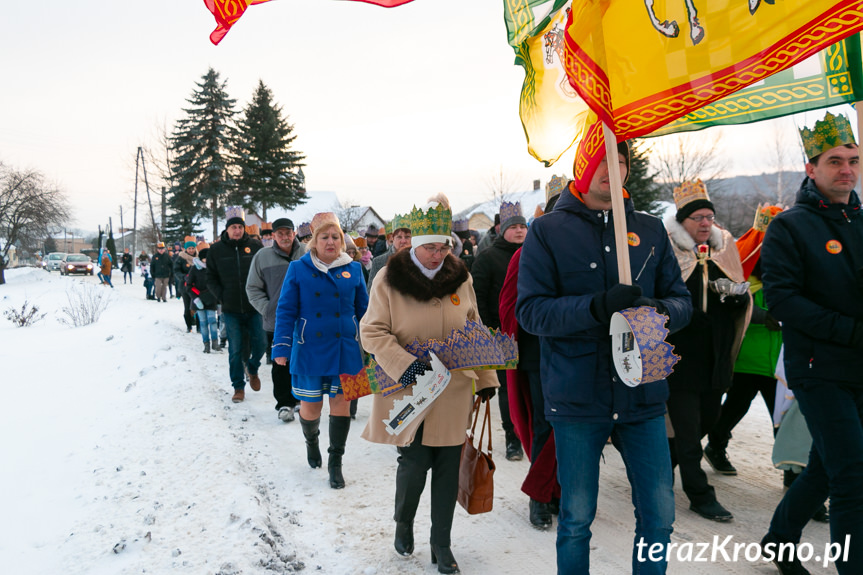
x: 404, y: 277
x: 683, y: 241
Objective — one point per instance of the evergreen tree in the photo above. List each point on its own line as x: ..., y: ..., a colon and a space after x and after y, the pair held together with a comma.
x: 641, y: 184
x: 267, y: 165
x: 180, y: 225
x: 201, y: 147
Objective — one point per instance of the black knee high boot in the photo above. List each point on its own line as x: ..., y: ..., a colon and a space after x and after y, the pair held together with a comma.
x: 339, y: 427
x: 311, y: 431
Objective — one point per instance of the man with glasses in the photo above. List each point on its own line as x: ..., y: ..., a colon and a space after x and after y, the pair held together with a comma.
x: 161, y: 268
x: 708, y: 346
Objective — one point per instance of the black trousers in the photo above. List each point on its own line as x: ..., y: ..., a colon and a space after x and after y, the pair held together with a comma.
x: 281, y: 381
x: 503, y: 404
x: 188, y: 314
x: 415, y: 460
x: 744, y: 388
x: 692, y: 415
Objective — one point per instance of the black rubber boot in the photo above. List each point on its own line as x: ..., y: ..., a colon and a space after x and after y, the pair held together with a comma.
x: 206, y: 347
x: 339, y: 427
x: 311, y: 431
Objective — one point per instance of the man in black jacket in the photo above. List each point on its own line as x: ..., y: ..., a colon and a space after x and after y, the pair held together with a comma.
x: 161, y: 268
x: 812, y: 267
x: 489, y: 272
x: 228, y: 267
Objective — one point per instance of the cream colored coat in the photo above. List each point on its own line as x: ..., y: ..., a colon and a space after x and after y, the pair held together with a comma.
x: 391, y: 322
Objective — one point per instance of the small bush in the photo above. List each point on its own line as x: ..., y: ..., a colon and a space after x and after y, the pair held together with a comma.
x: 86, y: 304
x: 25, y: 317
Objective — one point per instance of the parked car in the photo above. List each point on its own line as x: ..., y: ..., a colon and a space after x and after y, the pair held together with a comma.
x: 76, y: 264
x: 53, y: 261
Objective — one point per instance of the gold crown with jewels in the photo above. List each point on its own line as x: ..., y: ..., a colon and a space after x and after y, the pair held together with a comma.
x: 831, y: 132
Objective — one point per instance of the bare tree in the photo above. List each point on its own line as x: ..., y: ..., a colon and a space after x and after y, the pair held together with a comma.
x: 28, y: 207
x: 688, y: 157
x: 501, y: 184
x: 348, y: 213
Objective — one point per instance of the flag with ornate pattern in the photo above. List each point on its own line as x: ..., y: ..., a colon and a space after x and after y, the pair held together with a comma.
x: 227, y: 12
x: 641, y: 64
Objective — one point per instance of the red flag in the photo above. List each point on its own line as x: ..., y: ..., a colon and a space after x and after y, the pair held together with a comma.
x: 227, y: 12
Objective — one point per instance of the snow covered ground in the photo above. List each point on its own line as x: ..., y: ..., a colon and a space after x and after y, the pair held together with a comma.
x: 122, y: 453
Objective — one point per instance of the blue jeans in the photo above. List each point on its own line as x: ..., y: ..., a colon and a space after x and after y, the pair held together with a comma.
x: 207, y: 323
x: 834, y: 415
x: 644, y: 448
x: 244, y: 326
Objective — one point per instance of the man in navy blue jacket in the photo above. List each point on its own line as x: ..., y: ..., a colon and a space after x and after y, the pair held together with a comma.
x: 812, y: 268
x: 568, y: 289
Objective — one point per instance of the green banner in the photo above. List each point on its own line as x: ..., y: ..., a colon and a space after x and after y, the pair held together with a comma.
x: 832, y: 77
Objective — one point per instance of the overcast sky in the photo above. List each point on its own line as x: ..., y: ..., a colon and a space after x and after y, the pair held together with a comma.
x: 389, y: 105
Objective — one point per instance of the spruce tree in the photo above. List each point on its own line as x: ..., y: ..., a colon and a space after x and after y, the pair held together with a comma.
x: 268, y: 167
x: 202, y: 144
x: 645, y: 192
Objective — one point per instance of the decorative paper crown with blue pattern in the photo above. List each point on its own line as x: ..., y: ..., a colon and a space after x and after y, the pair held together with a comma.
x: 461, y: 225
x: 509, y: 210
x: 235, y: 212
x: 831, y: 132
x: 304, y: 230
x: 554, y: 186
x: 657, y: 355
x: 436, y: 221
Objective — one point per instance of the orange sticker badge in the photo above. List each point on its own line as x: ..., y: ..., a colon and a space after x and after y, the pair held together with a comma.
x: 248, y: 250
x: 834, y: 247
x: 454, y: 299
x: 346, y: 275
x: 633, y: 239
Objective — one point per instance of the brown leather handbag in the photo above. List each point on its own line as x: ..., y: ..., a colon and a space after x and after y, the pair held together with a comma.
x: 476, y: 472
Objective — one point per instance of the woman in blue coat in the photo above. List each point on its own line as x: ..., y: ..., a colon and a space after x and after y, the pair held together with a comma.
x: 322, y: 301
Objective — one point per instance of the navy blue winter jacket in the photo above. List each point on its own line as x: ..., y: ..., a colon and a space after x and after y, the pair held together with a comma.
x: 811, y: 263
x: 568, y: 257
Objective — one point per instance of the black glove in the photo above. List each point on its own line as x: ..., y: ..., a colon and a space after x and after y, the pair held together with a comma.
x: 485, y: 394
x: 649, y: 301
x: 771, y: 323
x: 619, y: 297
x: 410, y: 375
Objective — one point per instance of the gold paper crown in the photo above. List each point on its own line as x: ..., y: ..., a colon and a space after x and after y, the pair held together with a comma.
x: 202, y: 245
x: 831, y: 132
x: 324, y: 218
x: 554, y: 186
x: 188, y: 239
x: 763, y: 216
x: 690, y: 192
x: 304, y: 230
x: 510, y: 210
x: 436, y: 221
x: 265, y: 226
x: 253, y: 230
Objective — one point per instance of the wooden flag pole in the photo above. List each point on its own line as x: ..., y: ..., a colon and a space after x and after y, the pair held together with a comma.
x: 858, y: 107
x: 624, y: 272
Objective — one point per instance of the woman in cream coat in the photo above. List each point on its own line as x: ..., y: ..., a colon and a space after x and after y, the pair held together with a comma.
x: 424, y: 293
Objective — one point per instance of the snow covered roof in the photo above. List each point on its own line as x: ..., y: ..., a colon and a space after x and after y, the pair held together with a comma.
x: 317, y: 202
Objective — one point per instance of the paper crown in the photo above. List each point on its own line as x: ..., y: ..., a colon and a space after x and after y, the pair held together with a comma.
x: 510, y: 210
x: 361, y: 242
x: 304, y: 230
x: 554, y: 186
x: 749, y: 244
x: 639, y: 350
x: 763, y: 216
x: 235, y: 212
x: 831, y: 132
x: 202, y: 245
x: 324, y: 219
x: 266, y: 227
x: 199, y: 239
x: 434, y: 221
x: 461, y: 225
x: 253, y: 230
x: 689, y: 192
x: 399, y: 221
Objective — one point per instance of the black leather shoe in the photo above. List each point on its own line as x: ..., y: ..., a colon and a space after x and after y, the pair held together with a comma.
x: 770, y: 547
x: 718, y: 460
x: 442, y: 556
x: 713, y: 511
x: 404, y: 542
x: 514, y: 452
x: 540, y: 515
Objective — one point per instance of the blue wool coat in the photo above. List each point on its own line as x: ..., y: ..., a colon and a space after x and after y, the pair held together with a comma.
x: 317, y: 318
x: 568, y: 257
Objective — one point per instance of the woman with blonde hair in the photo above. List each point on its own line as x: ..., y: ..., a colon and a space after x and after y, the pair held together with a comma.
x: 322, y: 301
x: 424, y: 292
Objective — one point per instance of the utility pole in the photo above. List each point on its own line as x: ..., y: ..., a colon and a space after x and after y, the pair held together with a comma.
x: 122, y: 231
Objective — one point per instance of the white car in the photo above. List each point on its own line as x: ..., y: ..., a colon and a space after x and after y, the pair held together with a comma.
x: 54, y: 260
